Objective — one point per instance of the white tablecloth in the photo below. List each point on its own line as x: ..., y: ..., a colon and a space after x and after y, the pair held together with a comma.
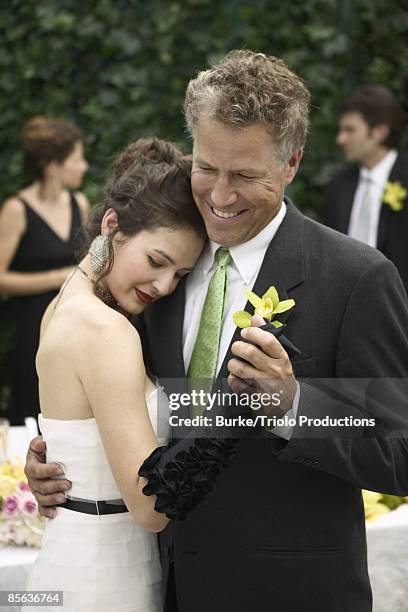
x: 387, y: 540
x: 19, y: 438
x: 15, y: 563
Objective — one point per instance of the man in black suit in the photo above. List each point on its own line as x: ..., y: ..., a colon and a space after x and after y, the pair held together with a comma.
x: 357, y: 200
x: 284, y: 527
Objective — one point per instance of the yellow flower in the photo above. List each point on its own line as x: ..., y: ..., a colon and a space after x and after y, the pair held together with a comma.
x: 394, y: 195
x: 266, y: 306
x: 372, y: 506
x: 7, y: 486
x: 14, y: 469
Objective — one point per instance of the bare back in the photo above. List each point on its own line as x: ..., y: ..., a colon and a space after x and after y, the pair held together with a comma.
x: 71, y: 322
x: 90, y: 364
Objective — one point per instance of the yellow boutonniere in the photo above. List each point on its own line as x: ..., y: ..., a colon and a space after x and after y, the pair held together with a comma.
x: 266, y: 306
x: 394, y: 195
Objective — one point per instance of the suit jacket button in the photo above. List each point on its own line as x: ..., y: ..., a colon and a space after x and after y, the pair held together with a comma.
x: 316, y: 462
x: 167, y: 551
x: 307, y: 461
x: 300, y: 459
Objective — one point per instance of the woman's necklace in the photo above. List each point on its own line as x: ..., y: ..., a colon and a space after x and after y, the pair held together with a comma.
x: 105, y: 296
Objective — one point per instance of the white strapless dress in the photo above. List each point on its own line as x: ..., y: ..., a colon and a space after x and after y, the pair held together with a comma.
x: 101, y: 563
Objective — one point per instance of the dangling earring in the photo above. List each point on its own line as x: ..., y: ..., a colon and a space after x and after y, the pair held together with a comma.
x: 99, y: 252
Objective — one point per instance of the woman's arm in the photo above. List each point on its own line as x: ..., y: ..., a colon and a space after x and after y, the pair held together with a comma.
x: 109, y: 363
x: 112, y: 372
x: 12, y: 228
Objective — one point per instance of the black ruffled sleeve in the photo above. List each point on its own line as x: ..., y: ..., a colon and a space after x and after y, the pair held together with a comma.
x: 181, y: 475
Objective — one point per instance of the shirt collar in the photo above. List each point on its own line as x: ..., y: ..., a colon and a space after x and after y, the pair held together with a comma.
x: 380, y: 173
x: 248, y: 256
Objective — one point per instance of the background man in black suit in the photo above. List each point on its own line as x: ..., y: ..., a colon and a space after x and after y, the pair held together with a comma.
x: 284, y: 527
x: 370, y: 129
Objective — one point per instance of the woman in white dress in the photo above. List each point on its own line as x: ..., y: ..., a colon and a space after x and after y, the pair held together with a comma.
x: 96, y: 395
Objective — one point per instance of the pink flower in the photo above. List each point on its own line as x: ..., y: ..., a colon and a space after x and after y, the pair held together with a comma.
x: 10, y: 505
x: 24, y: 486
x: 30, y: 507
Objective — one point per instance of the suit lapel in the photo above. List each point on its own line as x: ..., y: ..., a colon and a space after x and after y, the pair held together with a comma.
x: 346, y: 200
x: 386, y: 212
x: 166, y: 344
x: 283, y: 266
x: 165, y: 332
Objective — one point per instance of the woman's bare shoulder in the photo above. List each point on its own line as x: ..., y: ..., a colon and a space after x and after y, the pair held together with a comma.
x: 92, y: 320
x: 103, y: 341
x: 14, y: 210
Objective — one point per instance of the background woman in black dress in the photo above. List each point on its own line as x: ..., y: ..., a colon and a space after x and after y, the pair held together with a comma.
x: 40, y: 231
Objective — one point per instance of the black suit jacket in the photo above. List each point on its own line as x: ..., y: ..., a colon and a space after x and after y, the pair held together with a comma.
x: 284, y: 527
x: 393, y: 226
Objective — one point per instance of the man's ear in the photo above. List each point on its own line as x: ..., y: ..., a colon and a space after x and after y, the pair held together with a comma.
x: 293, y: 165
x: 380, y: 133
x: 109, y: 222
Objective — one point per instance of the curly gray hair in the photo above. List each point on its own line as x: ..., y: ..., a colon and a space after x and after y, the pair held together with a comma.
x: 246, y: 88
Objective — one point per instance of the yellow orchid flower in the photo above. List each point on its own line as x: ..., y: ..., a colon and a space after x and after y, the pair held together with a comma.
x: 266, y: 306
x: 376, y: 504
x: 394, y: 195
x: 373, y: 506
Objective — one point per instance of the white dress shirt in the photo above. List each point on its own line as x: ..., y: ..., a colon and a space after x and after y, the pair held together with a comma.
x: 242, y: 271
x: 377, y: 177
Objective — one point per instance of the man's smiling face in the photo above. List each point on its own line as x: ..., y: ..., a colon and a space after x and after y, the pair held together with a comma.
x: 238, y: 184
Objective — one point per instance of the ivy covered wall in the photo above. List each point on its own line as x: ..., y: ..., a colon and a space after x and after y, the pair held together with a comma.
x: 119, y: 70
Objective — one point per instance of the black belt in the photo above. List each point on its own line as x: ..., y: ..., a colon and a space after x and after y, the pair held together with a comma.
x: 94, y: 507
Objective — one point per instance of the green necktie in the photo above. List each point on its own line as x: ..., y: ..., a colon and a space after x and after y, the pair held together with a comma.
x: 203, y: 361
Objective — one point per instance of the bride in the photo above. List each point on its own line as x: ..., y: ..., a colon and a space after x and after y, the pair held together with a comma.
x: 99, y: 404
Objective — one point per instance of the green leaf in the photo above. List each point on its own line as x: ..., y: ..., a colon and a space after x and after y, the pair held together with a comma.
x: 273, y: 295
x: 276, y: 324
x: 242, y: 319
x: 284, y: 306
x: 252, y: 297
x: 391, y: 501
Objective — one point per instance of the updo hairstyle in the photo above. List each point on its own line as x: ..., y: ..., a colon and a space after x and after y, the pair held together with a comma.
x: 45, y: 140
x: 149, y: 187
